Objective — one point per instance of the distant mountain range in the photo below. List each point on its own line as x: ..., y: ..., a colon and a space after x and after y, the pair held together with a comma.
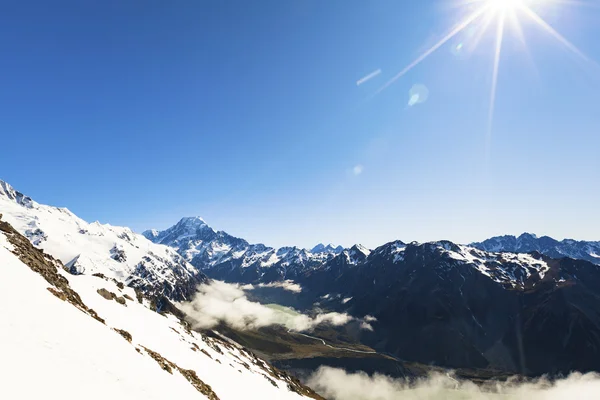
x: 527, y: 243
x: 226, y: 257
x: 234, y: 259
x: 526, y: 305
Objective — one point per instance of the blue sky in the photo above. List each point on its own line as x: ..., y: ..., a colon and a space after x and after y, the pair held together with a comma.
x: 248, y: 114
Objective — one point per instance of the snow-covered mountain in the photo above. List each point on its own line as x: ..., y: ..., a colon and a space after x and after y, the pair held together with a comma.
x: 527, y: 243
x: 74, y: 336
x: 85, y: 248
x: 223, y: 256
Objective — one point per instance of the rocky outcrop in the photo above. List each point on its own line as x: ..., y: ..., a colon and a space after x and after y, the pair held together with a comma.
x: 46, y: 266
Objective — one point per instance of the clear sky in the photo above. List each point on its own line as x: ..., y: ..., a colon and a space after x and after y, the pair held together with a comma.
x: 255, y: 115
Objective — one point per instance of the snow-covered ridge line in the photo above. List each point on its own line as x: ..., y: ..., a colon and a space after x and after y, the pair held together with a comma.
x: 527, y: 243
x: 89, y: 248
x: 206, y: 248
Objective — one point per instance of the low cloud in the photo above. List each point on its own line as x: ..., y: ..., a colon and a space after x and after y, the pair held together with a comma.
x: 220, y: 302
x: 337, y: 384
x: 288, y: 285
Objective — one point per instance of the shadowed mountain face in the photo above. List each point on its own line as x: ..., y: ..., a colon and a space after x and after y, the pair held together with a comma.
x: 441, y: 303
x: 434, y: 308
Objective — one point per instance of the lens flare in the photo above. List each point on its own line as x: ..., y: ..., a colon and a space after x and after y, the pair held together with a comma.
x: 505, y: 15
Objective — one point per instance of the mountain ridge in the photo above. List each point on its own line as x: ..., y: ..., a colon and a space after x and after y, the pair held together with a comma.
x: 527, y: 242
x: 90, y: 248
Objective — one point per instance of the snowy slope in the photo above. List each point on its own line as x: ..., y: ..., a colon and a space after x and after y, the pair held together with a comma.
x: 92, y: 248
x: 51, y: 349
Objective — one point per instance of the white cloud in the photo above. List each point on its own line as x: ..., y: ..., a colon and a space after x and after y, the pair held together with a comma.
x: 337, y: 384
x: 288, y: 285
x: 357, y: 169
x: 369, y: 318
x: 365, y: 326
x: 222, y: 302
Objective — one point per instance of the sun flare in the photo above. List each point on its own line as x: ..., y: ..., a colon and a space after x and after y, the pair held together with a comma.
x: 496, y: 16
x: 504, y: 5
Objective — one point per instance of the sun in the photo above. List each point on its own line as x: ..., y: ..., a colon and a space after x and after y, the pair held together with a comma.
x: 505, y: 5
x: 496, y: 16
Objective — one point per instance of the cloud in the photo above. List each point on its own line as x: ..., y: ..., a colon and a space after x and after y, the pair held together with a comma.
x: 368, y: 77
x: 337, y: 384
x: 365, y: 326
x: 222, y: 302
x: 357, y: 169
x: 288, y: 285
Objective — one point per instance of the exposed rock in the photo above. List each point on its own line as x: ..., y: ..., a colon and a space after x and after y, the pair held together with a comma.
x: 124, y: 333
x: 206, y: 353
x: 57, y: 293
x: 46, y: 266
x: 106, y: 294
x: 189, y: 374
x: 118, y: 254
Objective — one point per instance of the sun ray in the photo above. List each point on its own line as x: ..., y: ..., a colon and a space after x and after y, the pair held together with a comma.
x: 459, y: 28
x: 513, y: 20
x: 498, y: 53
x: 481, y: 30
x: 515, y: 24
x: 549, y: 29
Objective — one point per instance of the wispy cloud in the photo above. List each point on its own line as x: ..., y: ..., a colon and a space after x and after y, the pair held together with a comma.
x: 358, y: 169
x: 337, y: 384
x: 222, y: 302
x: 368, y: 77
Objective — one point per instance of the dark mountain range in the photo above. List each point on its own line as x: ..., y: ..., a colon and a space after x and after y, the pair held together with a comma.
x: 517, y: 310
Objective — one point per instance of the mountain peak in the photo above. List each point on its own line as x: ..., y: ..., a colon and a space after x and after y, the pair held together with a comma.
x: 362, y: 249
x: 527, y: 236
x: 7, y: 190
x: 191, y: 225
x: 150, y: 234
x: 192, y: 221
x: 329, y: 248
